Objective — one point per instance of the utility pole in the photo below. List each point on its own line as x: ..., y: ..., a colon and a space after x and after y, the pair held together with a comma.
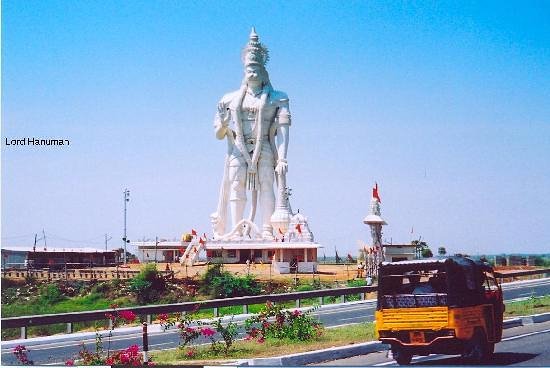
x: 107, y: 239
x: 156, y: 246
x: 126, y: 200
x: 44, y: 235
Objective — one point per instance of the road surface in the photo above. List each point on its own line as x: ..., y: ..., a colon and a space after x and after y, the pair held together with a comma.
x: 524, y: 346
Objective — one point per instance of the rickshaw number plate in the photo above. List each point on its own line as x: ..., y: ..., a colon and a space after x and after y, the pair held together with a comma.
x: 417, y: 337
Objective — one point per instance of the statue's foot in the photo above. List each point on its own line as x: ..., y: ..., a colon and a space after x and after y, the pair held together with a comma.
x: 236, y: 237
x: 267, y: 235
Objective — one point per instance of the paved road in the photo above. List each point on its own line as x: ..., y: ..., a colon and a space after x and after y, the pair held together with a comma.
x: 50, y: 351
x: 524, y: 346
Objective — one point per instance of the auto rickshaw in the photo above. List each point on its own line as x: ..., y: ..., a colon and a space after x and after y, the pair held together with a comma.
x: 447, y: 306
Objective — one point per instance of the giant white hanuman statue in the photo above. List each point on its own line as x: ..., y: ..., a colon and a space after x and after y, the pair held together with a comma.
x: 255, y: 121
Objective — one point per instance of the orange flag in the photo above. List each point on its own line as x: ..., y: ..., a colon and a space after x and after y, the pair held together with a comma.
x: 375, y: 192
x: 193, y: 232
x: 299, y: 228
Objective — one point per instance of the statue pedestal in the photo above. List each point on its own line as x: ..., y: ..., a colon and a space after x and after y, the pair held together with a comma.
x: 281, y: 254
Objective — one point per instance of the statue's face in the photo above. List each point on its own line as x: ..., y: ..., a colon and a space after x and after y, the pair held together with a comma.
x: 252, y: 74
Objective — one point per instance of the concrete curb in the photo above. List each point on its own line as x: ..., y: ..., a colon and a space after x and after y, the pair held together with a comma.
x: 348, y: 351
x: 310, y: 357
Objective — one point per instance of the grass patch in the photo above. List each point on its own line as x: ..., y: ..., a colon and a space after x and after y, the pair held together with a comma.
x: 339, y: 336
x: 533, y: 305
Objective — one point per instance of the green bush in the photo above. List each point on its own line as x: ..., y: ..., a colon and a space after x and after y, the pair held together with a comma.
x: 208, y: 278
x: 50, y: 294
x: 306, y: 287
x: 223, y: 284
x: 229, y: 286
x: 148, y: 285
x: 357, y: 282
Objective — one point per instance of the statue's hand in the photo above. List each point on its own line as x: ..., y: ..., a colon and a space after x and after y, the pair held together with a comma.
x: 251, y: 177
x: 282, y: 167
x: 224, y: 115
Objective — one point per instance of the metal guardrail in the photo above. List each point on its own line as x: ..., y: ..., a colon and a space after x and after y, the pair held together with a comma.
x: 45, y: 319
x: 149, y: 310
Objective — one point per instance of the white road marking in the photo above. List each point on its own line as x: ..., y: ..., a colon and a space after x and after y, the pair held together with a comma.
x: 525, y: 335
x: 352, y: 318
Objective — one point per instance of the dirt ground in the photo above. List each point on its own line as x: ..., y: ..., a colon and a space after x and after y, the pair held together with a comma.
x: 264, y: 271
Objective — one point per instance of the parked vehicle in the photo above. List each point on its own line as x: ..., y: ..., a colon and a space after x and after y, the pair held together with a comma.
x: 447, y: 306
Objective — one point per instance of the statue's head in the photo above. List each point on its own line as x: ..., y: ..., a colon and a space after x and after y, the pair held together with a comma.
x: 255, y: 55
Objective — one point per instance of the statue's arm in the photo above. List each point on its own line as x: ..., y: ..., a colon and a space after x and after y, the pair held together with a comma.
x: 221, y: 120
x: 283, y: 128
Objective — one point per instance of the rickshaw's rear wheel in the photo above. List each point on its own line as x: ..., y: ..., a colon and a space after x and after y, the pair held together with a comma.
x: 401, y: 356
x: 478, y: 349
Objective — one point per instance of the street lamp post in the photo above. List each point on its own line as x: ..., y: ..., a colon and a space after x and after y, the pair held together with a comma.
x: 126, y: 200
x: 156, y: 246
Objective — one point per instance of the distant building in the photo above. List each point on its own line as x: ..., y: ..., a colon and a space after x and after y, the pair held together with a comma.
x: 56, y: 258
x: 162, y: 251
x: 399, y: 252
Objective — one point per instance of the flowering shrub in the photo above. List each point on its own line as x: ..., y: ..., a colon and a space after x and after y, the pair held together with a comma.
x: 128, y: 316
x: 227, y: 332
x: 188, y: 334
x: 273, y: 322
x: 123, y: 316
x: 190, y: 330
x: 129, y: 356
x: 207, y: 332
x: 20, y: 352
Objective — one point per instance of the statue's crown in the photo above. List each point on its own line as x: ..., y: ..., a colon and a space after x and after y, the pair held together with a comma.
x: 255, y: 52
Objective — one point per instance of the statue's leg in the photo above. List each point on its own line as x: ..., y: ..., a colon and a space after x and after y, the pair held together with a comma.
x: 267, y: 196
x: 237, y: 196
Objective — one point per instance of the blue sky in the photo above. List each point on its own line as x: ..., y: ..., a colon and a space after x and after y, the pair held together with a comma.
x: 444, y: 104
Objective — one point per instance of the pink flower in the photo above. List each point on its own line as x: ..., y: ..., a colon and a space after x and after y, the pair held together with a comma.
x: 133, y: 349
x: 266, y: 324
x: 129, y: 316
x: 296, y: 313
x: 190, y: 353
x: 261, y: 339
x: 207, y: 331
x: 163, y: 317
x: 109, y: 361
x: 69, y: 362
x: 124, y: 358
x: 19, y: 349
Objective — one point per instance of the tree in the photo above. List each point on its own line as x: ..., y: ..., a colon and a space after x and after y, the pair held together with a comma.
x: 441, y: 251
x: 419, y: 246
x: 427, y: 253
